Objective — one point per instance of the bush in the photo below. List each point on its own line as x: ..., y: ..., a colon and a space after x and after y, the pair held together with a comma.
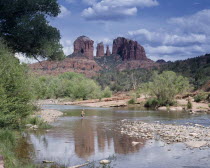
x: 15, y: 94
x: 165, y: 87
x: 132, y: 101
x: 152, y: 103
x: 69, y: 84
x: 200, y: 97
x: 39, y: 122
x: 107, y: 92
x: 189, y: 104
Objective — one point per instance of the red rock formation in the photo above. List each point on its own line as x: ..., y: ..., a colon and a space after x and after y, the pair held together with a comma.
x: 84, y: 45
x: 108, y: 52
x: 100, y: 50
x: 82, y: 60
x: 128, y: 49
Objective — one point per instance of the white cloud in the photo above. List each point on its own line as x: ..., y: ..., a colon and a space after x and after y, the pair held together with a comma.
x: 199, y: 22
x: 168, y: 38
x: 180, y: 38
x: 67, y: 46
x: 172, y: 52
x: 115, y: 9
x: 64, y: 12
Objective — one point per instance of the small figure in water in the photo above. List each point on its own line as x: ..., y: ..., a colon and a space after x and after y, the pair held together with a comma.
x: 83, y: 113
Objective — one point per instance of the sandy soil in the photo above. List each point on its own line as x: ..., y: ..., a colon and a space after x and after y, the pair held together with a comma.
x: 196, y: 107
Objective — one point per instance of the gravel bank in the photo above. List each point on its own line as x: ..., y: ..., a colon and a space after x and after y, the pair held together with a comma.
x: 192, y: 135
x: 49, y: 115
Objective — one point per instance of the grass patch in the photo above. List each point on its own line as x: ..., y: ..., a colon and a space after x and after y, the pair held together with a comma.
x: 39, y: 122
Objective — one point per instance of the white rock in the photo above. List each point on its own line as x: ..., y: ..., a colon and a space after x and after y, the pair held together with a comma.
x: 135, y: 143
x: 104, y: 161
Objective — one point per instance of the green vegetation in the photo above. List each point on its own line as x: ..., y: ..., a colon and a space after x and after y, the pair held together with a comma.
x: 189, y: 104
x: 152, y: 103
x: 24, y: 28
x: 164, y: 87
x: 202, y: 96
x: 132, y: 101
x: 123, y: 81
x: 107, y: 92
x: 70, y: 84
x: 197, y: 70
x: 15, y: 94
x: 38, y: 122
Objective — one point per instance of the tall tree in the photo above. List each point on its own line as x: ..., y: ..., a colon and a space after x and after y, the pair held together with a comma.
x: 24, y: 27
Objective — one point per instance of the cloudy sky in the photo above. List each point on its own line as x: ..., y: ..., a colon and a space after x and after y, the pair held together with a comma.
x: 168, y: 29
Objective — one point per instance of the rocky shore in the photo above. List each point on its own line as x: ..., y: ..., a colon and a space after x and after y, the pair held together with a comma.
x: 49, y: 115
x: 192, y: 135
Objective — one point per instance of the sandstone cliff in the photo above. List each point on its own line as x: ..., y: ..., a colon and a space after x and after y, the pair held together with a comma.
x: 84, y: 45
x: 100, y: 50
x: 128, y: 49
x: 127, y: 54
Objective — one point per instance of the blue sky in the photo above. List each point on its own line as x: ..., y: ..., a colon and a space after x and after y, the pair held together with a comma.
x: 167, y: 29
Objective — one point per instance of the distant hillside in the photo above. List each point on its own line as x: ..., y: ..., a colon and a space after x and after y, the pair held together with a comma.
x: 196, y: 69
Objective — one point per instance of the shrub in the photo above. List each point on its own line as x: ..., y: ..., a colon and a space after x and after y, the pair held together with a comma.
x: 165, y: 87
x: 151, y: 103
x: 200, y: 97
x: 132, y: 101
x: 189, y: 104
x: 39, y: 122
x: 107, y: 92
x: 154, y: 102
x: 69, y: 84
x: 15, y: 94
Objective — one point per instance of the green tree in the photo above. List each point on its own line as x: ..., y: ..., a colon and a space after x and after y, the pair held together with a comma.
x: 15, y: 96
x: 24, y: 27
x: 166, y: 86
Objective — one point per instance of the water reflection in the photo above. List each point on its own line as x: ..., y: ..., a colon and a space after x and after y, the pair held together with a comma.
x: 84, y: 138
x: 74, y: 140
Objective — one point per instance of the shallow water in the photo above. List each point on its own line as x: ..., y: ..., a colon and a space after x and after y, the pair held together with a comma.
x: 74, y: 140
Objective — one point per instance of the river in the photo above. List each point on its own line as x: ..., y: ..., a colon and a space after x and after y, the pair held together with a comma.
x: 74, y: 140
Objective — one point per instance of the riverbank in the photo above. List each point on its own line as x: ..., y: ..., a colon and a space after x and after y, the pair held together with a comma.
x: 122, y: 101
x: 116, y: 101
x: 193, y: 136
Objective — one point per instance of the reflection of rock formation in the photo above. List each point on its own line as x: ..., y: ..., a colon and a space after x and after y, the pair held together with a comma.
x: 101, y: 134
x: 84, y: 138
x: 123, y: 144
